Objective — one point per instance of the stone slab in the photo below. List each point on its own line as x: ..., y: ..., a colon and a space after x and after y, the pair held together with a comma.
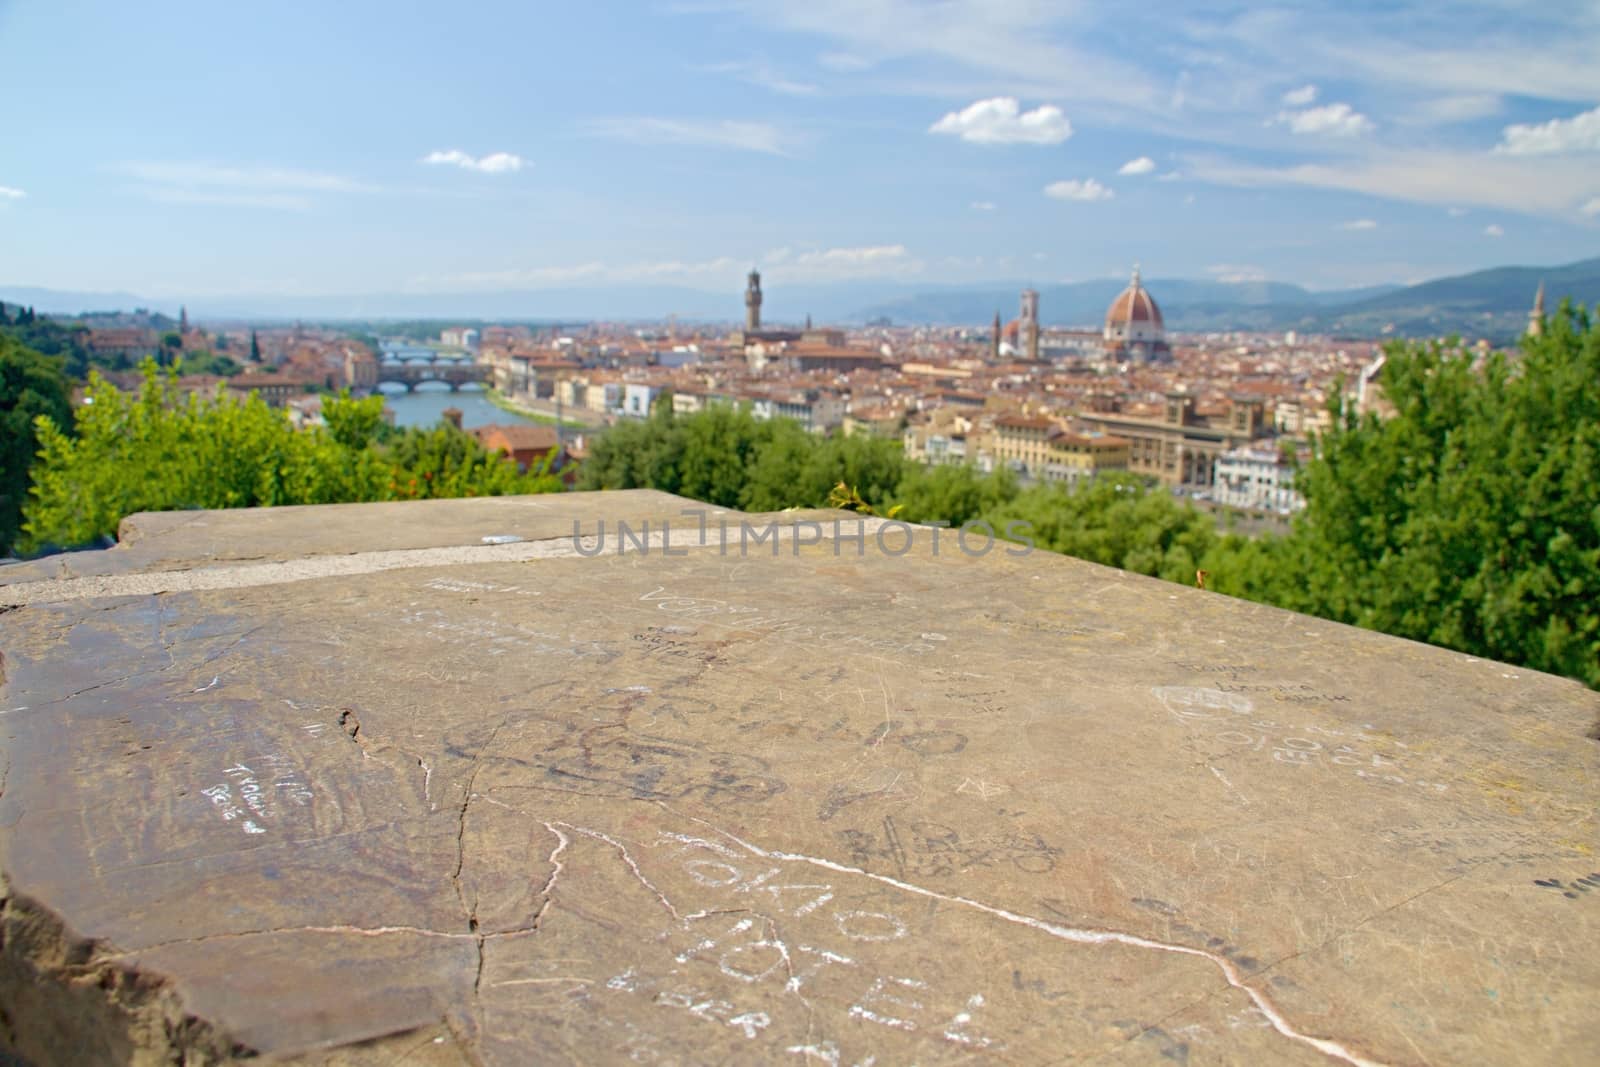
x: 810, y: 807
x: 183, y: 540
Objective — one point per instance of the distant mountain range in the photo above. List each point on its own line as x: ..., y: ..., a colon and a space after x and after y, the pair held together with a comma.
x: 1489, y: 303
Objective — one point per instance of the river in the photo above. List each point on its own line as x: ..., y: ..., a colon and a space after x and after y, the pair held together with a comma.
x: 425, y: 407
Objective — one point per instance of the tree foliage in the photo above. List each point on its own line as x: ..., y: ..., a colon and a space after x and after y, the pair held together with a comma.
x: 203, y: 361
x: 158, y: 450
x: 32, y: 386
x: 727, y: 457
x: 51, y: 338
x: 1471, y: 519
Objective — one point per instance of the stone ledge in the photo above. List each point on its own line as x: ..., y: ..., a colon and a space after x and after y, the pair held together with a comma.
x: 485, y: 803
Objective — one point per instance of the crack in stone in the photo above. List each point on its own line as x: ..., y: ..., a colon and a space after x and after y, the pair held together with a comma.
x: 1076, y: 935
x: 546, y: 891
x: 632, y: 866
x: 471, y: 910
x: 356, y: 931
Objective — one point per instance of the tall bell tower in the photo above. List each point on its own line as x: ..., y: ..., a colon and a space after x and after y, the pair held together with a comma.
x: 752, y: 301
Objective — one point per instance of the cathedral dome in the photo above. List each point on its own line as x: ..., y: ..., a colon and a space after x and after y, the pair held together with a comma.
x: 1134, y: 305
x: 1134, y: 329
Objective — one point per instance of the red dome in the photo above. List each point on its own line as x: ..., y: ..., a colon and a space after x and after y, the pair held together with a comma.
x: 1134, y: 305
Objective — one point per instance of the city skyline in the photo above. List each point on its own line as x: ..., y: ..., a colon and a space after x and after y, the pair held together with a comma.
x: 191, y: 152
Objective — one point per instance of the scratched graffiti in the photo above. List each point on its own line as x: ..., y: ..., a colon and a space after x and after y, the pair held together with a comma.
x: 610, y: 760
x: 930, y: 849
x: 1574, y: 889
x: 1229, y: 719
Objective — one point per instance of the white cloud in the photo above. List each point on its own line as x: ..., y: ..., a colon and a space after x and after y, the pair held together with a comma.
x: 207, y: 175
x: 1581, y: 133
x: 223, y: 198
x: 1300, y: 97
x: 1229, y: 272
x: 1456, y: 212
x: 1358, y: 224
x: 832, y: 264
x: 780, y: 265
x: 493, y: 163
x: 762, y: 74
x: 1170, y: 176
x: 1142, y: 165
x: 854, y: 256
x: 8, y: 193
x: 1017, y: 47
x: 1552, y: 185
x: 1460, y: 108
x: 1338, y: 120
x: 1493, y: 230
x: 1592, y: 207
x: 529, y: 276
x: 983, y: 205
x: 1087, y: 189
x: 1000, y: 120
x: 276, y: 188
x: 844, y: 62
x: 706, y: 133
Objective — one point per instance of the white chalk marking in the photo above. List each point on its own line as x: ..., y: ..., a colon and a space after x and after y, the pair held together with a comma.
x: 1077, y: 935
x: 1224, y: 780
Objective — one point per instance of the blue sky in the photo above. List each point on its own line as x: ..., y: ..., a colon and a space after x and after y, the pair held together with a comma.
x: 182, y: 149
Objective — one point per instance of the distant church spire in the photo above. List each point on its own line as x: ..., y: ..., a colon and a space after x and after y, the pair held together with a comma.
x: 994, y: 340
x: 183, y: 320
x: 752, y: 301
x: 1536, y: 316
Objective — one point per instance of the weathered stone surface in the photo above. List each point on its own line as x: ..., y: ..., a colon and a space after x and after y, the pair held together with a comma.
x: 183, y: 540
x: 419, y: 796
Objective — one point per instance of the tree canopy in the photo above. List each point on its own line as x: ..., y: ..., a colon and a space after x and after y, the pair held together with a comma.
x: 32, y: 386
x: 158, y: 450
x: 1471, y: 518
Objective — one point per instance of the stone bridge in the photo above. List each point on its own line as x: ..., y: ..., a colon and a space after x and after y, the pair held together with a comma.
x: 413, y: 373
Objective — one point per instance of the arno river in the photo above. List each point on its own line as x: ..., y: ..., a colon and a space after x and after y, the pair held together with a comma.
x: 425, y: 406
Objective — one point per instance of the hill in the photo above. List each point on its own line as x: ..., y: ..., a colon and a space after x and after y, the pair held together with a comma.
x: 1490, y: 303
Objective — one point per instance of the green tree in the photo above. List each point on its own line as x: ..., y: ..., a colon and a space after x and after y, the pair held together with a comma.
x: 1471, y: 519
x: 1119, y: 520
x: 158, y: 450
x: 954, y: 494
x: 446, y: 462
x: 205, y: 362
x: 32, y: 386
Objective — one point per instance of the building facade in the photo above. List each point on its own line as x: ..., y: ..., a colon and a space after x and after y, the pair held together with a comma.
x: 1256, y: 478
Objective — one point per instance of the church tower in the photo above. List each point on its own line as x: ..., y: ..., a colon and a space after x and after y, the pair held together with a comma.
x: 994, y: 340
x: 1536, y: 316
x: 1029, y: 331
x: 183, y: 321
x: 752, y: 302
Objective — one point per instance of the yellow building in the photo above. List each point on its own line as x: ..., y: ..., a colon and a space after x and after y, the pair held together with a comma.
x: 1074, y: 457
x: 1022, y: 441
